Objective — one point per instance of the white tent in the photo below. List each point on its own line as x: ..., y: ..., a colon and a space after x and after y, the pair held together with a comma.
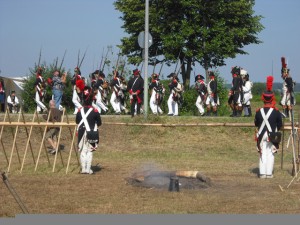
x: 13, y: 84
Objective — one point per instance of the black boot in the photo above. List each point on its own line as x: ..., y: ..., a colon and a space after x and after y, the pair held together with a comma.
x: 215, y: 113
x: 249, y: 111
x: 233, y: 113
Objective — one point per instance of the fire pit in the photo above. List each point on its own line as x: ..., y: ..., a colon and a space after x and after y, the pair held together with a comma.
x: 165, y: 180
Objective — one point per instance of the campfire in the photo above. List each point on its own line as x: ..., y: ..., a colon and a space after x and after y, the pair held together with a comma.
x: 170, y: 180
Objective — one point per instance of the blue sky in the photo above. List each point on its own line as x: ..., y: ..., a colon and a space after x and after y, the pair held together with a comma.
x: 26, y: 26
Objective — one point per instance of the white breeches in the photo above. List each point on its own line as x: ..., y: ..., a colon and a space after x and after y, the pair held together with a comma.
x: 247, y: 97
x: 115, y: 103
x: 76, y: 101
x: 153, y: 105
x: 172, y: 106
x: 38, y: 98
x: 266, y: 160
x: 86, y: 155
x: 199, y: 105
x: 210, y: 101
x: 286, y: 99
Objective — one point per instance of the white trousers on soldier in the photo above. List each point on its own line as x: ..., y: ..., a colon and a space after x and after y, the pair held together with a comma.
x: 199, y: 105
x: 38, y: 98
x: 266, y: 160
x: 286, y: 99
x: 154, y: 107
x: 115, y: 103
x: 172, y: 106
x: 86, y: 155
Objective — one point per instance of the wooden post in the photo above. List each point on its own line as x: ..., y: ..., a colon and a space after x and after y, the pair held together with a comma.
x: 42, y: 143
x: 1, y: 133
x: 282, y: 144
x: 72, y: 137
x: 72, y: 144
x: 14, y: 145
x: 41, y: 132
x: 57, y: 143
x: 28, y: 143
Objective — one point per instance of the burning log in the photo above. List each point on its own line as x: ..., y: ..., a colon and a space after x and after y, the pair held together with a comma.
x: 141, y: 176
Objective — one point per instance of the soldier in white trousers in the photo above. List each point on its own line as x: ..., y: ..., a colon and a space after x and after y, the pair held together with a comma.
x: 268, y: 120
x: 201, y: 89
x: 88, y: 120
x: 156, y: 95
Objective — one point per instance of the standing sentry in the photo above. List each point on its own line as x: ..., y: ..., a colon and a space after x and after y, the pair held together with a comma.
x: 268, y: 121
x: 88, y: 120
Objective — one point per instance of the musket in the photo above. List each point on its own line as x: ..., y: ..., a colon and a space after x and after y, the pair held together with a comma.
x: 40, y: 56
x: 102, y: 69
x: 117, y: 64
x: 101, y: 61
x: 56, y: 61
x: 78, y: 58
x: 154, y: 61
x: 180, y: 67
x: 161, y: 67
x: 62, y: 61
x: 82, y: 58
x: 177, y: 61
x: 123, y: 67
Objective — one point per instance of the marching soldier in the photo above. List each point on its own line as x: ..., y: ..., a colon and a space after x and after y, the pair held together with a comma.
x: 212, y: 99
x: 135, y: 88
x: 77, y: 97
x: 103, y: 87
x: 99, y: 101
x: 201, y: 89
x: 175, y: 97
x: 287, y: 98
x: 39, y: 89
x: 268, y: 120
x: 235, y: 97
x: 247, y: 94
x: 156, y: 95
x: 116, y: 92
x: 76, y: 76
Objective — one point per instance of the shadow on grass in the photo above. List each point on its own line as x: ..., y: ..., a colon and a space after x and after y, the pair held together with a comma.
x: 255, y: 171
x: 96, y: 168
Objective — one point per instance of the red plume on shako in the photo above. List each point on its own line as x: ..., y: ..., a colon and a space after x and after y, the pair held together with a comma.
x: 268, y: 95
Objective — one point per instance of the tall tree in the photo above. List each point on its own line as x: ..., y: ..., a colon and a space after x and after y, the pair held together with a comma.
x: 193, y: 31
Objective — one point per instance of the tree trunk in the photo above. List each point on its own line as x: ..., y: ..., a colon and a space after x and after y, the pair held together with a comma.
x: 186, y: 73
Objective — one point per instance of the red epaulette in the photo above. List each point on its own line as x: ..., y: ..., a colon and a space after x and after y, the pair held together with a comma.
x: 79, y: 109
x: 258, y: 109
x: 96, y: 110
